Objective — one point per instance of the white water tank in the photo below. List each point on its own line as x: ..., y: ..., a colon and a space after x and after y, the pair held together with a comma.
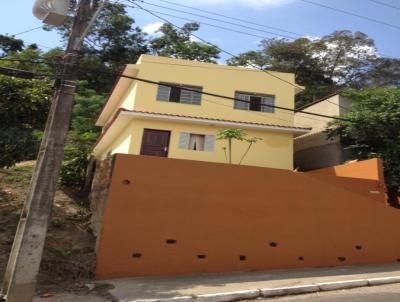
x: 52, y: 12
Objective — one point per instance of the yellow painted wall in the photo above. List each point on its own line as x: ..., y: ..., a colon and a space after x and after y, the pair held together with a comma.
x: 275, y: 150
x: 222, y: 80
x: 126, y: 102
x: 219, y: 79
x: 122, y: 143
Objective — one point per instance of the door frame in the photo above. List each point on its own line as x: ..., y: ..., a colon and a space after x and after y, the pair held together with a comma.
x: 169, y: 139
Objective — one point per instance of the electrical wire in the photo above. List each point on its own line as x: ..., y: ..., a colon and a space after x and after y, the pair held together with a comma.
x: 205, y: 23
x: 351, y: 14
x: 153, y: 13
x: 228, y: 97
x: 219, y: 20
x: 259, y: 113
x: 220, y: 49
x: 383, y: 3
x: 26, y: 31
x: 170, y: 85
x: 231, y: 18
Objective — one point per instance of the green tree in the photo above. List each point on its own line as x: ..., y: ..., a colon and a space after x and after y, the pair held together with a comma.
x: 384, y: 72
x: 321, y: 65
x: 81, y: 137
x: 372, y: 130
x: 236, y: 134
x: 179, y: 44
x: 9, y: 44
x: 113, y: 41
x: 24, y: 105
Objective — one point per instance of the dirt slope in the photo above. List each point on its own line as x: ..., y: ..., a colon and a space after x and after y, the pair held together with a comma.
x: 68, y: 261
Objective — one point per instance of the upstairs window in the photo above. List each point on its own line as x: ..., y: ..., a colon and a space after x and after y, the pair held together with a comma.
x: 177, y: 94
x: 254, y: 102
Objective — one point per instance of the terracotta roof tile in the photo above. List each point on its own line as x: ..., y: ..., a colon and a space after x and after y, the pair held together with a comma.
x: 215, y: 119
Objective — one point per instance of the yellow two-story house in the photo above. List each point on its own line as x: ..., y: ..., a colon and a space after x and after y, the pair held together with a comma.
x: 176, y: 112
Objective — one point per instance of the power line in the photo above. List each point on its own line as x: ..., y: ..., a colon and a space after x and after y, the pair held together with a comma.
x: 260, y: 114
x: 351, y: 14
x: 383, y: 3
x: 32, y: 75
x: 236, y: 69
x: 219, y: 20
x: 227, y: 97
x: 29, y: 61
x: 207, y: 24
x: 220, y: 49
x: 229, y: 17
x: 26, y: 31
x: 283, y: 109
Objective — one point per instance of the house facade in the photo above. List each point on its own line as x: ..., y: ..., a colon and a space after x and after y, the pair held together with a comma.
x: 174, y: 112
x: 314, y: 150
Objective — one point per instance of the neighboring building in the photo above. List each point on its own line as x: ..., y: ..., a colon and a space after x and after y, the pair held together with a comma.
x: 314, y: 150
x: 148, y: 119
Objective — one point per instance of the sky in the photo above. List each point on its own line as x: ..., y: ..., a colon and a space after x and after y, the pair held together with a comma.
x: 295, y: 16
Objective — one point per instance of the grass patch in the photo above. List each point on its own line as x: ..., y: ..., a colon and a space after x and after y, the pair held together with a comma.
x: 59, y: 252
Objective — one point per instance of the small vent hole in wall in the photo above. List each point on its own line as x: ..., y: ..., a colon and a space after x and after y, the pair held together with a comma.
x: 273, y: 244
x: 126, y: 182
x: 201, y: 257
x: 358, y: 247
x: 171, y: 241
x: 398, y: 260
x: 342, y: 259
x: 301, y: 258
x: 137, y: 255
x: 242, y: 258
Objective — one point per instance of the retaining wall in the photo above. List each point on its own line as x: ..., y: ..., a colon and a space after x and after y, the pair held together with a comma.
x: 169, y: 217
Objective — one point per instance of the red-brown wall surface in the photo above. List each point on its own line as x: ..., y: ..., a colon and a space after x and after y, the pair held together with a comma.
x: 162, y: 214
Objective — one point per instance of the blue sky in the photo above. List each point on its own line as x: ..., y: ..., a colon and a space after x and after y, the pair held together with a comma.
x: 292, y: 15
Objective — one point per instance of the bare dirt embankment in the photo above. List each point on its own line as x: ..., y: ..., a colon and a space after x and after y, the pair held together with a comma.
x: 68, y: 259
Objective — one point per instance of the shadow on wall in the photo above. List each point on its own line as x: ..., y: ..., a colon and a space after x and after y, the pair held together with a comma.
x: 170, y: 217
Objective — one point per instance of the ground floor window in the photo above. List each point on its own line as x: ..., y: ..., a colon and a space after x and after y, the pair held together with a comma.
x: 196, y: 142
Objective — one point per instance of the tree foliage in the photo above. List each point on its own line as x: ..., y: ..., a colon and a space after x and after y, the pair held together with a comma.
x: 233, y: 134
x: 113, y: 41
x: 81, y: 137
x: 179, y: 44
x: 340, y: 59
x: 372, y: 129
x: 24, y: 105
x: 10, y: 44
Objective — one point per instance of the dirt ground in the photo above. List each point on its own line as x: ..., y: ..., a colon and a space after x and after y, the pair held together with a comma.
x: 68, y: 260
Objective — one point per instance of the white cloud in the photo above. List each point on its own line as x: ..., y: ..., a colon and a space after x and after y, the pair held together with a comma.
x: 152, y: 28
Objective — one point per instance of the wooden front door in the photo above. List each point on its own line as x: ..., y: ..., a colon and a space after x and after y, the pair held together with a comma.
x: 155, y: 143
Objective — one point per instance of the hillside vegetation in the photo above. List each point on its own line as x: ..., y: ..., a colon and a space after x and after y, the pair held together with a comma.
x: 68, y: 261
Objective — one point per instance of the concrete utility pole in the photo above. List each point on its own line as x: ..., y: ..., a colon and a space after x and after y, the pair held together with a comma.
x: 25, y: 257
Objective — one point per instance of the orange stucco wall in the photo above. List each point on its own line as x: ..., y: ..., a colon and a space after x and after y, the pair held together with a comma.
x: 167, y: 216
x: 367, y: 169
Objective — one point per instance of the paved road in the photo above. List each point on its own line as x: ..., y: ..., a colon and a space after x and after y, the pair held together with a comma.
x: 384, y: 293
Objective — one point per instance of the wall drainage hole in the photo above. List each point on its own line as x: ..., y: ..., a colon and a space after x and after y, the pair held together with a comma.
x: 242, y: 258
x: 126, y: 182
x: 273, y: 244
x: 171, y: 241
x: 137, y: 255
x: 358, y: 247
x: 398, y: 260
x: 301, y: 258
x: 202, y: 257
x: 342, y: 259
